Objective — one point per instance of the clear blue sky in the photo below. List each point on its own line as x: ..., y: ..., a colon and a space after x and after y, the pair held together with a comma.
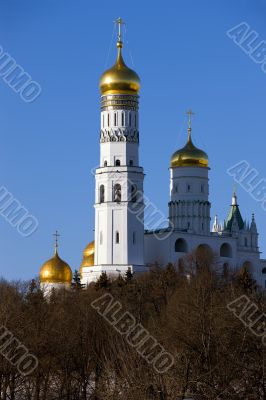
x: 184, y: 58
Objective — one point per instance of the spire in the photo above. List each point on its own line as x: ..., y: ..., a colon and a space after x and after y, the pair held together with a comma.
x: 56, y: 235
x: 253, y: 225
x: 216, y: 226
x: 234, y: 199
x: 119, y: 22
x: 189, y: 130
x: 119, y: 44
x: 234, y: 215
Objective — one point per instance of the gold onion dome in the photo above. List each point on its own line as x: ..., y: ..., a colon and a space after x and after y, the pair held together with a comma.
x: 189, y: 155
x: 88, y: 256
x: 119, y: 79
x: 55, y: 270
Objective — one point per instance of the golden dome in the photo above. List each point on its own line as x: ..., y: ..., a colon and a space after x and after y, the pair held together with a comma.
x: 88, y: 256
x: 55, y: 270
x: 189, y: 156
x: 119, y: 79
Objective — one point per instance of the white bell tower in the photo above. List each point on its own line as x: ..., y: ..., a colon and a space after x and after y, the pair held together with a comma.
x: 189, y: 207
x: 119, y: 209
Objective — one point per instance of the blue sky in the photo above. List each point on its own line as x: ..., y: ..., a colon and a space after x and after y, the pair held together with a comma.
x: 184, y: 58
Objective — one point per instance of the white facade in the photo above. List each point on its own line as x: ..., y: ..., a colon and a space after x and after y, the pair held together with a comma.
x: 119, y: 233
x: 120, y: 241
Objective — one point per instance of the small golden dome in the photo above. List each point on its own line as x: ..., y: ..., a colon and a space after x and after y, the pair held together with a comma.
x: 88, y: 256
x: 189, y: 156
x: 119, y: 79
x: 55, y: 270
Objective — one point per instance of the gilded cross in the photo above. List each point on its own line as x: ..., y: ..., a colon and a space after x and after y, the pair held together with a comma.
x: 56, y: 235
x: 189, y: 113
x: 119, y: 22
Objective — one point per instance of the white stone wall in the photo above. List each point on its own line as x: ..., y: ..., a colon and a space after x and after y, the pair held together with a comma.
x: 189, y: 207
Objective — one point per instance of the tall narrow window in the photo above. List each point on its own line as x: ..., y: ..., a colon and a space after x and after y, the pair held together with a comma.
x: 117, y: 163
x: 115, y: 117
x: 130, y: 119
x: 123, y: 119
x: 117, y: 193
x: 246, y: 242
x: 105, y: 163
x: 131, y: 163
x: 102, y: 194
x: 202, y: 188
x: 101, y: 237
x: 117, y: 237
x: 108, y: 119
x: 134, y: 193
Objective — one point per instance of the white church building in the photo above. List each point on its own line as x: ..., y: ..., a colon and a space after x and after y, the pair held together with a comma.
x: 121, y: 241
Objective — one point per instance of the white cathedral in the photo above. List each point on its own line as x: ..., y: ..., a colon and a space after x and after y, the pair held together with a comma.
x: 121, y: 241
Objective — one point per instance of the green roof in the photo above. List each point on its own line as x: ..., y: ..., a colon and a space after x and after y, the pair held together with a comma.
x: 234, y: 213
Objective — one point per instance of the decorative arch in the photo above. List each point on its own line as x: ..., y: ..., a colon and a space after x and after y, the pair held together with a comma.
x: 181, y: 246
x: 204, y: 253
x: 248, y: 266
x: 226, y: 250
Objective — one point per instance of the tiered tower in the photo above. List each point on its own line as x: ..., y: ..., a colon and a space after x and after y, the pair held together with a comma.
x: 189, y: 207
x: 119, y: 226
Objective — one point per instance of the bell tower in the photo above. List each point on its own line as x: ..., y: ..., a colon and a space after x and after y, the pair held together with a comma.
x: 119, y: 226
x: 189, y: 207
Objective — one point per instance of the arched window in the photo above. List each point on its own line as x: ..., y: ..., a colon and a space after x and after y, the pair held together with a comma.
x: 117, y: 193
x: 181, y: 246
x: 101, y: 237
x: 188, y: 188
x: 134, y: 193
x: 117, y: 237
x: 226, y: 250
x: 117, y: 163
x: 105, y: 163
x: 102, y: 190
x: 247, y: 265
